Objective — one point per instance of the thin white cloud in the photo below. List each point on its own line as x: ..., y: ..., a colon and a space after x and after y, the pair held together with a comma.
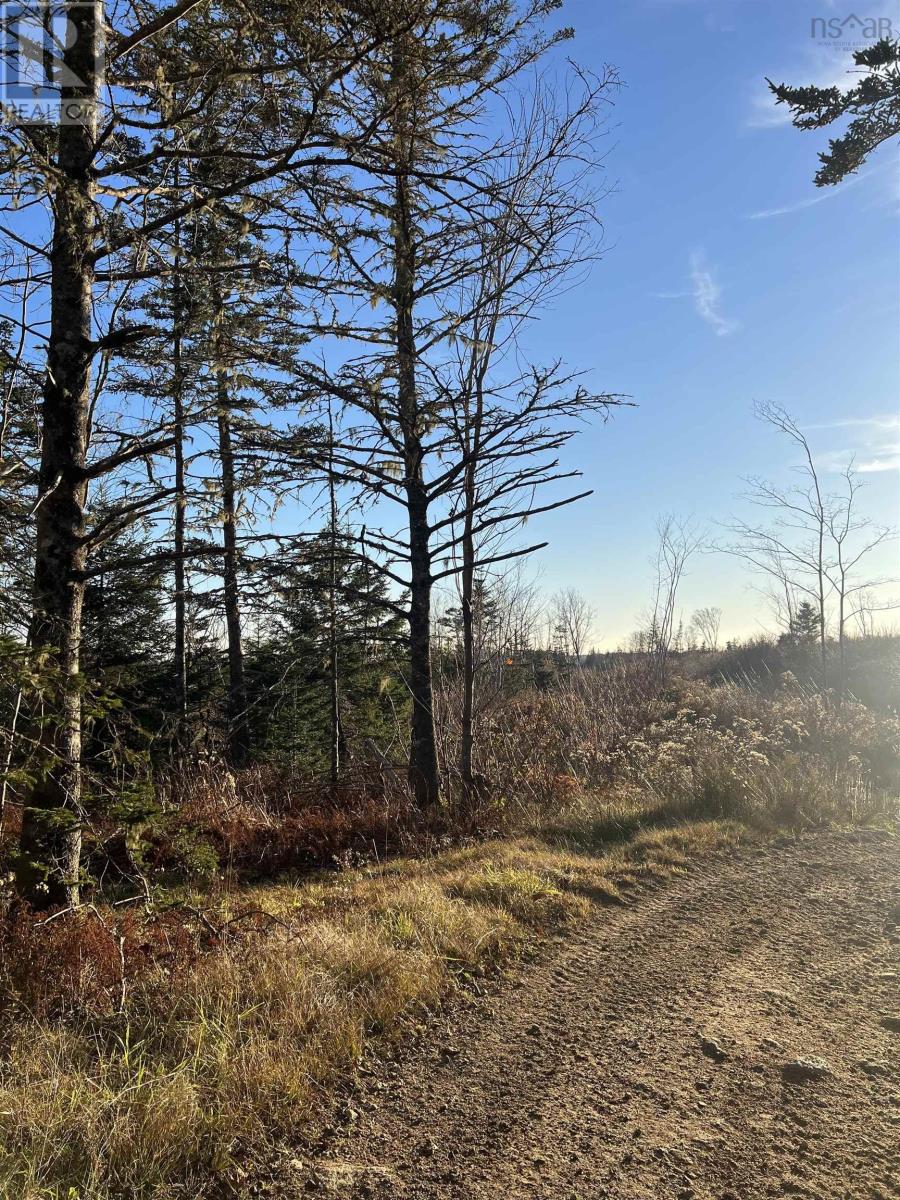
x: 790, y: 208
x: 890, y: 462
x: 889, y: 421
x: 707, y: 295
x: 888, y: 195
x: 874, y: 447
x: 824, y: 193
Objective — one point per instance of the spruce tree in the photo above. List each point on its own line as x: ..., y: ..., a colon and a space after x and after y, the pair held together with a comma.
x: 400, y: 235
x: 872, y: 103
x: 270, y: 84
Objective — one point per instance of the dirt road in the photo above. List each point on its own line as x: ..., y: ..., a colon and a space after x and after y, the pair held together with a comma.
x: 645, y: 1057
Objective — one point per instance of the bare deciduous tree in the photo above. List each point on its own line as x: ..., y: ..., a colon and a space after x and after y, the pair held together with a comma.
x: 852, y: 538
x: 573, y: 618
x: 677, y: 541
x: 448, y: 240
x: 814, y: 545
x: 705, y: 622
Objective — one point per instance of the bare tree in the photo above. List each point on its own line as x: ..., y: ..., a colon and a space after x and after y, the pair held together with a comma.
x: 573, y: 619
x: 852, y: 539
x: 814, y: 545
x: 519, y: 609
x: 705, y: 622
x: 791, y: 549
x: 436, y: 241
x: 677, y: 541
x: 537, y: 238
x: 867, y: 606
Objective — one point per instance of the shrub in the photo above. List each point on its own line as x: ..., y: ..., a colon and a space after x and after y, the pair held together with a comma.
x: 797, y: 757
x: 264, y: 820
x: 82, y: 962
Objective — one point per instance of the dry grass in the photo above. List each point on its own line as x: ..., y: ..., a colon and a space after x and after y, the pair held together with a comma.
x: 231, y: 1029
x: 171, y: 1091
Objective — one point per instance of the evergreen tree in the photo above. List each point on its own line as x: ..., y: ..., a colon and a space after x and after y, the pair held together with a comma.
x: 873, y: 104
x: 804, y: 625
x: 402, y: 235
x: 290, y: 673
x: 270, y: 89
x: 19, y: 420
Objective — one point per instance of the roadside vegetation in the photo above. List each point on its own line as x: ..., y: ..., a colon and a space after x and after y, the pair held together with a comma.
x: 190, y: 1016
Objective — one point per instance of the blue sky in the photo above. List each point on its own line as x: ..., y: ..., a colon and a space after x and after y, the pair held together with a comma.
x: 728, y: 278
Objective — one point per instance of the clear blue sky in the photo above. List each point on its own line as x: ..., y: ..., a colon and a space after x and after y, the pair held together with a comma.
x: 728, y: 278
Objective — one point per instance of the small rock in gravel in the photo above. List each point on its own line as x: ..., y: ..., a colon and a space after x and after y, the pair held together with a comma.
x: 713, y: 1050
x: 891, y: 1023
x: 805, y: 1070
x: 873, y: 1068
x: 534, y: 1031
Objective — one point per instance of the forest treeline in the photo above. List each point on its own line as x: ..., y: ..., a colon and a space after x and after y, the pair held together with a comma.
x: 277, y: 264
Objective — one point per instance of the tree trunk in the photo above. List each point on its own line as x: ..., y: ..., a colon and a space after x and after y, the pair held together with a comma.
x: 50, y: 859
x: 842, y: 679
x: 180, y: 495
x: 238, y: 730
x: 424, y: 775
x: 333, y: 678
x: 467, y: 735
x: 472, y: 450
x: 823, y: 643
x: 821, y: 519
x: 335, y: 702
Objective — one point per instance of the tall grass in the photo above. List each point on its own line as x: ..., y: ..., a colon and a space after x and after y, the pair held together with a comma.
x: 145, y: 1053
x: 192, y: 1081
x: 795, y: 755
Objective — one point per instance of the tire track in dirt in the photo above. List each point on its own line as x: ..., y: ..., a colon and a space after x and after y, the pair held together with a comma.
x: 642, y: 1057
